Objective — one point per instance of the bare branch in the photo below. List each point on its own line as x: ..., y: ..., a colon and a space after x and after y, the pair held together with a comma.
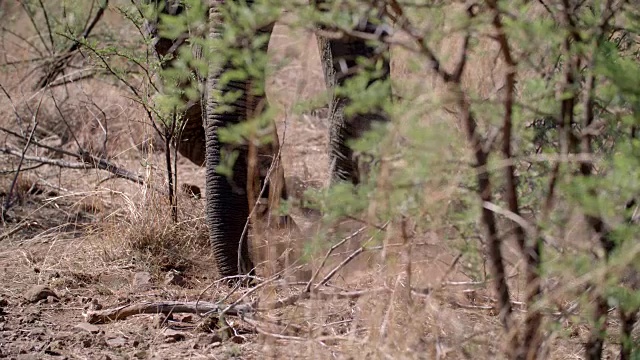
x: 58, y: 66
x: 88, y: 161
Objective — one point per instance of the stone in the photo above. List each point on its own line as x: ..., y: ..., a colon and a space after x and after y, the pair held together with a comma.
x: 171, y: 335
x: 173, y: 278
x: 118, y: 341
x: 142, y: 280
x: 141, y: 354
x: 38, y: 293
x: 90, y: 328
x: 238, y: 339
x: 204, y: 340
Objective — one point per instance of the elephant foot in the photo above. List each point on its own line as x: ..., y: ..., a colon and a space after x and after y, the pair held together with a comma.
x: 244, y: 281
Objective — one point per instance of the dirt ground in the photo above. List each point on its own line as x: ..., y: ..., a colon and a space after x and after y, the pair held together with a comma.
x: 78, y: 241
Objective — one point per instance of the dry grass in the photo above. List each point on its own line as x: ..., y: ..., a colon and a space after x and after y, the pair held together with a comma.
x: 85, y: 238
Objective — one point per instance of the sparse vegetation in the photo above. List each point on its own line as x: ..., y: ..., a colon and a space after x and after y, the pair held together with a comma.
x: 496, y: 216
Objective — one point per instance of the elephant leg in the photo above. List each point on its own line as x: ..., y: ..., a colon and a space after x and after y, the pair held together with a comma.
x: 229, y: 199
x: 338, y: 57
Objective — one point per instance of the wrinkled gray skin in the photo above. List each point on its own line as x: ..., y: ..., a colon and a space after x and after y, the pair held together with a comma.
x: 228, y: 203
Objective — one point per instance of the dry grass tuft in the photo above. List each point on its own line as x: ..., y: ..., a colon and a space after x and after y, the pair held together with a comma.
x: 148, y: 236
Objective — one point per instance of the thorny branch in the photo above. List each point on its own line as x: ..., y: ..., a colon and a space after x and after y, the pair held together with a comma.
x: 63, y: 59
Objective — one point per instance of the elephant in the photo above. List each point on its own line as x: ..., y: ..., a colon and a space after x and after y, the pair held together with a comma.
x: 229, y: 199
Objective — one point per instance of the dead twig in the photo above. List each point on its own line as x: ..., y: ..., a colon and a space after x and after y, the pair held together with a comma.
x: 344, y: 262
x: 329, y: 252
x: 320, y: 295
x: 8, y: 199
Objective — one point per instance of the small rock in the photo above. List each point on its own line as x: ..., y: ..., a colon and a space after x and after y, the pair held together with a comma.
x: 39, y: 293
x: 55, y: 348
x: 141, y: 354
x: 238, y: 339
x: 88, y: 328
x: 142, y: 279
x: 117, y: 341
x: 52, y: 299
x: 205, y: 340
x: 94, y: 305
x: 3, y: 303
x: 173, y: 278
x: 171, y: 335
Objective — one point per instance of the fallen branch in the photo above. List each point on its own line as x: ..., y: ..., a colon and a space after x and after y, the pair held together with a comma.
x: 164, y: 307
x: 203, y: 307
x: 88, y: 161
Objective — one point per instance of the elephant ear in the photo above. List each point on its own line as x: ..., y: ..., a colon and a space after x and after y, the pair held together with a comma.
x: 339, y: 59
x: 190, y: 140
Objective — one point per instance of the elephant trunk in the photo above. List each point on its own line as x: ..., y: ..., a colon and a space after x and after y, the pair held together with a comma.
x: 228, y: 200
x: 227, y: 207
